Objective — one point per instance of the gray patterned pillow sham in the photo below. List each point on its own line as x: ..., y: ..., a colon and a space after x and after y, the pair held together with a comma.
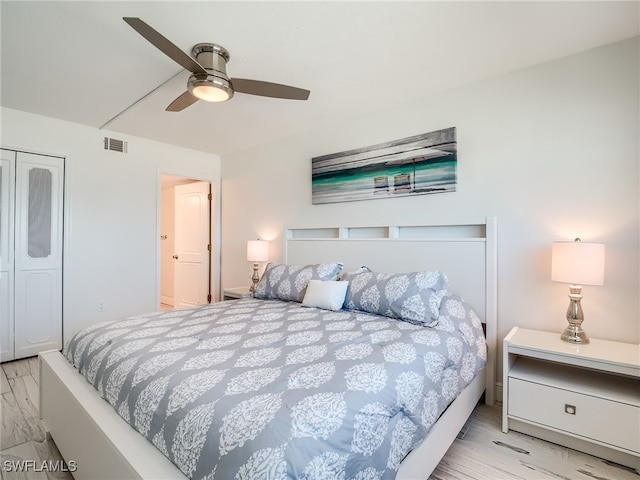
x: 289, y: 282
x: 413, y: 297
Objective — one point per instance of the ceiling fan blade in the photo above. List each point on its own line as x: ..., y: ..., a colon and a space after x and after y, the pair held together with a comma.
x: 268, y: 89
x: 164, y: 45
x: 182, y: 102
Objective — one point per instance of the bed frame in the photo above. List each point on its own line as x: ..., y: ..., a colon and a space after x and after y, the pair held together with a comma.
x: 93, y: 438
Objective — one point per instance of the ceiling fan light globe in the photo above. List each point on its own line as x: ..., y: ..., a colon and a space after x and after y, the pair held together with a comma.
x: 210, y: 89
x: 210, y: 93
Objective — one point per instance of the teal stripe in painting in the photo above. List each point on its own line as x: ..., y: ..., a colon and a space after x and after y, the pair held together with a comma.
x: 433, y: 176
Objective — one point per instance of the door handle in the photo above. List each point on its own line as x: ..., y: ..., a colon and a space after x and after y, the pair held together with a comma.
x: 175, y: 256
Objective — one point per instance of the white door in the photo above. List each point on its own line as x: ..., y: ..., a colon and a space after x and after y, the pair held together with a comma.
x: 38, y: 254
x: 192, y: 214
x: 7, y: 196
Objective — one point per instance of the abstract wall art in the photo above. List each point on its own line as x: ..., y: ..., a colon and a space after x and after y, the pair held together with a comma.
x: 417, y: 165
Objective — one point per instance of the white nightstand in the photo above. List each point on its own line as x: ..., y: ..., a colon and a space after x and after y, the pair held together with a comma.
x: 586, y: 397
x: 235, y: 293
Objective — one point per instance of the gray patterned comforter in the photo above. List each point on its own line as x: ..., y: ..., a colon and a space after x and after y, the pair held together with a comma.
x: 265, y: 389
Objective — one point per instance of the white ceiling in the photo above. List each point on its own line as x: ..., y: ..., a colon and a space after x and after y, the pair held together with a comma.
x: 80, y: 62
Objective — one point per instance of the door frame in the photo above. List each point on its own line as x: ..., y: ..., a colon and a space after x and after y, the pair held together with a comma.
x: 214, y: 224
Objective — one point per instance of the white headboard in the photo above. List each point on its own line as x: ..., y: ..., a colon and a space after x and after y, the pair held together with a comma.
x: 465, y: 251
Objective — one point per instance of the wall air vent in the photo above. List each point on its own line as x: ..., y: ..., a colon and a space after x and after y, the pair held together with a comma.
x: 115, y: 145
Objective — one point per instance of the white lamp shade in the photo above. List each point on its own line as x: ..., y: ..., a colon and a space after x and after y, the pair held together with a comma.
x: 257, y: 251
x: 578, y: 263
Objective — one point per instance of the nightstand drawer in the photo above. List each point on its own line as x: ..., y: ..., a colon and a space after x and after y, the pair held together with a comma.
x: 595, y: 418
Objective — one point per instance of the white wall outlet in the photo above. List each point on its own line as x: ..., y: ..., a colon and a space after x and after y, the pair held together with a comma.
x: 101, y: 306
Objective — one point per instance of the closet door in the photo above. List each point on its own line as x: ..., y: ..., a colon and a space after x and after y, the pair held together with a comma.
x: 7, y: 195
x: 38, y: 254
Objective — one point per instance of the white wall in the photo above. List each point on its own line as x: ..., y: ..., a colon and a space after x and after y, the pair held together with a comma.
x: 111, y: 239
x: 551, y: 151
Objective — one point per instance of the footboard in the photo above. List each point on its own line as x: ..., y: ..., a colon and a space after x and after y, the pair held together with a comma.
x: 98, y: 444
x: 422, y: 461
x: 90, y: 435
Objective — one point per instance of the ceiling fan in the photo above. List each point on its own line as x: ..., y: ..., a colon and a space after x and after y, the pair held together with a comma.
x: 209, y: 80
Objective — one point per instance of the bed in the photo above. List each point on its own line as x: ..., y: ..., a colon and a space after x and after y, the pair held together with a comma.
x: 262, y: 394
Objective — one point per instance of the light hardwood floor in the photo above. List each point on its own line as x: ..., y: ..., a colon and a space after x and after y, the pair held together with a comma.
x: 23, y: 436
x: 481, y: 452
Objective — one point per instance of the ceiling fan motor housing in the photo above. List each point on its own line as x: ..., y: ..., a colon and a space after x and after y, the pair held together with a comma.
x: 211, y: 56
x: 214, y: 59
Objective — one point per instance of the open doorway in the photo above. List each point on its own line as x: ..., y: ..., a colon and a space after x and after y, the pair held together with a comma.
x: 186, y: 242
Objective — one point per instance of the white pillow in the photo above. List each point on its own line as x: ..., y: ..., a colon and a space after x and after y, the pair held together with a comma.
x: 324, y: 294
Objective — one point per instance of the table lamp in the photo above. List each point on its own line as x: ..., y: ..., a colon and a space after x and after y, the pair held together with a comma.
x: 577, y: 263
x: 257, y: 251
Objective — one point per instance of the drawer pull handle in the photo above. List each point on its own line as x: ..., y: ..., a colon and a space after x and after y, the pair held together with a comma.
x: 570, y: 409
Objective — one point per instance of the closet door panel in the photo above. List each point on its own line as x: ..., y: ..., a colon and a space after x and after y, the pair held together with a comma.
x: 7, y: 218
x: 38, y: 254
x: 38, y: 324
x: 38, y: 211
